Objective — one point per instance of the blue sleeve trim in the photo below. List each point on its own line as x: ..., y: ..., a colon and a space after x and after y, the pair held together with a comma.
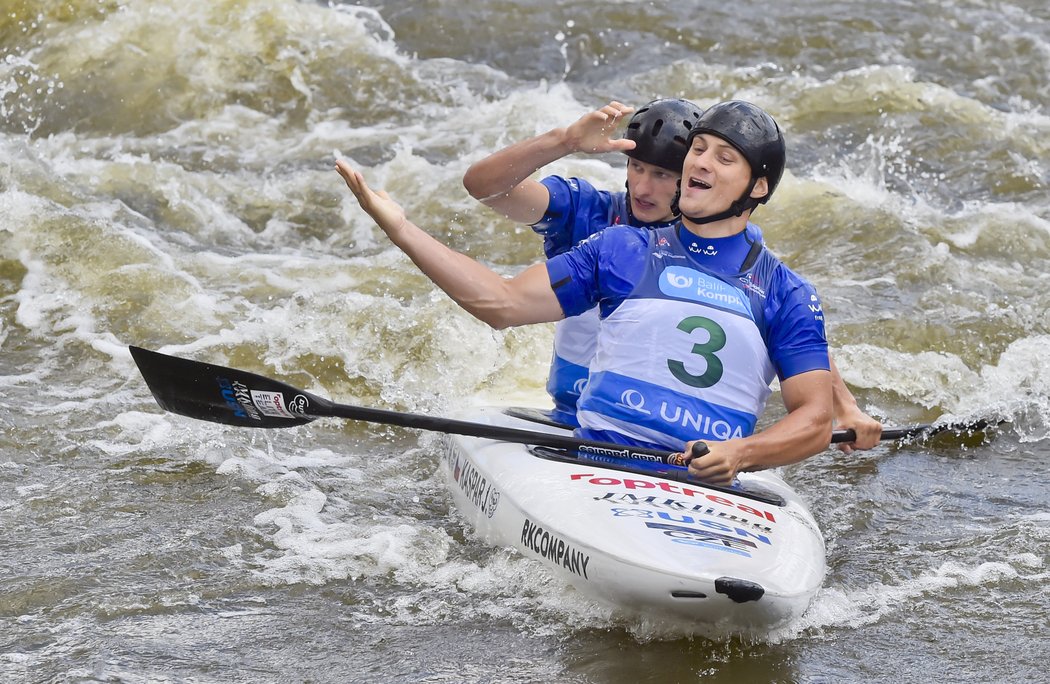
x: 803, y: 362
x: 797, y: 328
x: 564, y: 274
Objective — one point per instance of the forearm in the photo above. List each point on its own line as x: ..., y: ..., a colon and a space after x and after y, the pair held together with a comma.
x: 499, y: 173
x: 794, y: 438
x: 842, y: 399
x: 804, y: 431
x: 500, y: 302
x: 501, y: 180
x: 849, y: 416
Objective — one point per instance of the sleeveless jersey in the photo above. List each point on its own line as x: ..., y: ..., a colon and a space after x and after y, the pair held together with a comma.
x: 576, y: 211
x: 684, y: 352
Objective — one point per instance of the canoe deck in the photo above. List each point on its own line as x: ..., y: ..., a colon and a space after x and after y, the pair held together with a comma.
x: 727, y: 561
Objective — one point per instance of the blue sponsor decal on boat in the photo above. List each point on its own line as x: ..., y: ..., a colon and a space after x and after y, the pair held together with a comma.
x: 709, y: 531
x: 705, y: 538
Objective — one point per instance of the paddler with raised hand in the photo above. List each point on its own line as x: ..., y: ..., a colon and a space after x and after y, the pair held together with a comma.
x: 566, y: 211
x: 697, y: 318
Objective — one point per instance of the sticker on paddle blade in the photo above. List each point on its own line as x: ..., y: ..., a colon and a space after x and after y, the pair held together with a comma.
x: 271, y: 404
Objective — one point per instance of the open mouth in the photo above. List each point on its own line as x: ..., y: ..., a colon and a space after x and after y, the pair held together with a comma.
x: 697, y: 183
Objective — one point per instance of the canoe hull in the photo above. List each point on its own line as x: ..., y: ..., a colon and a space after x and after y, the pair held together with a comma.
x: 663, y: 550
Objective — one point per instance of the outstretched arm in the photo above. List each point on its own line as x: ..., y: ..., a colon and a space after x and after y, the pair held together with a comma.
x: 848, y: 416
x: 804, y: 431
x: 500, y: 302
x: 501, y: 180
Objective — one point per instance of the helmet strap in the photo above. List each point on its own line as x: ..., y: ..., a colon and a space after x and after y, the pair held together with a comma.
x: 744, y: 203
x: 627, y: 201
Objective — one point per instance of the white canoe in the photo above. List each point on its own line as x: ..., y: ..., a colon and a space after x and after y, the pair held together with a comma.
x: 728, y: 562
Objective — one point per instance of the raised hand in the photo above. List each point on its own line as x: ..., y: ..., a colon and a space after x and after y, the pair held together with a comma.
x: 388, y: 214
x: 593, y: 132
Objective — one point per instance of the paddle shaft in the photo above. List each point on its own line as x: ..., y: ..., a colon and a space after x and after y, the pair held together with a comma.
x: 496, y: 432
x: 235, y: 397
x: 925, y: 429
x: 460, y: 427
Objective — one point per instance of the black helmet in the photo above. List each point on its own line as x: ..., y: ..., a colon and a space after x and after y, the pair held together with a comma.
x: 754, y: 133
x: 660, y: 130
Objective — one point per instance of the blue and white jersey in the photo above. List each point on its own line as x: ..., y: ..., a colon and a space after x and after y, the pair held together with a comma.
x: 689, y: 342
x: 576, y: 211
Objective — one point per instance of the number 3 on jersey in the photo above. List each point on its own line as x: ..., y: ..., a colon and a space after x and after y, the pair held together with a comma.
x: 715, y: 342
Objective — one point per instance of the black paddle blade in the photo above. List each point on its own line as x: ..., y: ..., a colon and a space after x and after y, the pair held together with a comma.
x: 224, y: 395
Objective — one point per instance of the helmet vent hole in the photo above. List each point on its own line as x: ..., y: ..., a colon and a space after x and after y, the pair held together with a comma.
x: 657, y: 125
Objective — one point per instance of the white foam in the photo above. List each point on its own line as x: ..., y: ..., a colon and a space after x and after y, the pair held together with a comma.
x: 138, y: 432
x: 855, y: 608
